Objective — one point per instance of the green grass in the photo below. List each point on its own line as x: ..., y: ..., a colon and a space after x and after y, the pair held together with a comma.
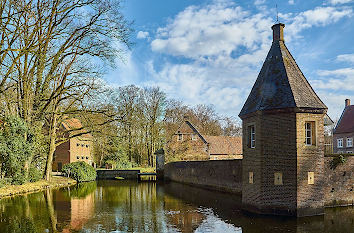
x: 56, y: 182
x: 144, y: 169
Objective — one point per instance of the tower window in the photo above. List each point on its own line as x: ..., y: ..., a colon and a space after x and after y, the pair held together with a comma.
x: 310, y: 136
x: 251, y: 136
x: 340, y: 142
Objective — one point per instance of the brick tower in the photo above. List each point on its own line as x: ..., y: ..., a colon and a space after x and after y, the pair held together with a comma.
x: 283, y: 139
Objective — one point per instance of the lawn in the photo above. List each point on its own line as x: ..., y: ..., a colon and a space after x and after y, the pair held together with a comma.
x: 56, y: 182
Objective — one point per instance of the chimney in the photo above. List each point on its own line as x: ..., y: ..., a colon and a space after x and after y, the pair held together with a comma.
x: 347, y: 102
x: 278, y: 32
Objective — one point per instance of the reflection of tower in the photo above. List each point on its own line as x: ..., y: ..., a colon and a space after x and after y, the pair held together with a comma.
x: 73, y: 212
x: 81, y: 211
x: 283, y: 139
x: 185, y: 218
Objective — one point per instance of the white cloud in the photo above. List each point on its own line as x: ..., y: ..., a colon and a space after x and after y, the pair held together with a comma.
x: 320, y: 16
x: 142, y: 35
x: 335, y: 2
x: 346, y: 58
x: 334, y: 102
x: 222, y: 47
x: 259, y: 2
x: 339, y: 79
x: 213, y: 30
x: 291, y: 2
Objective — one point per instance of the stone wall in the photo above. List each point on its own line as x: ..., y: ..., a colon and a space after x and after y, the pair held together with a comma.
x: 223, y: 175
x: 226, y: 175
x: 339, y: 182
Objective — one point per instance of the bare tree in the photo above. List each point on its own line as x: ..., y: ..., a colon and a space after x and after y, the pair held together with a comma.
x: 49, y: 52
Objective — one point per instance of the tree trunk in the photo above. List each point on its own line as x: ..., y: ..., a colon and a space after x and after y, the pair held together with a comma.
x: 52, y: 136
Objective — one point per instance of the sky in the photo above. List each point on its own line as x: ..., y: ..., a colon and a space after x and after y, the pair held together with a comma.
x: 211, y: 51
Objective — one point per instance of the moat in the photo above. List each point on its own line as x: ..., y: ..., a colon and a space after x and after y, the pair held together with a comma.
x: 127, y: 206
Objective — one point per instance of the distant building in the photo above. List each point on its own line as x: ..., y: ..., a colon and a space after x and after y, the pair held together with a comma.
x: 283, y: 139
x: 74, y: 149
x: 188, y: 144
x: 343, y: 133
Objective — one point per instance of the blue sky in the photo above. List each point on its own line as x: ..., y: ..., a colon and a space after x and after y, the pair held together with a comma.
x: 211, y: 51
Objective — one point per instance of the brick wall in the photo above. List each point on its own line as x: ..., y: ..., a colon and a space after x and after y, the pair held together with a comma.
x: 224, y: 175
x: 61, y: 155
x: 72, y: 151
x: 310, y: 199
x: 251, y: 193
x: 280, y: 151
x: 80, y: 150
x: 278, y: 145
x: 275, y: 152
x: 339, y: 182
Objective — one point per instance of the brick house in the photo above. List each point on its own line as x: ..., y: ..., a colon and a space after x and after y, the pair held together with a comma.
x: 283, y: 139
x: 74, y: 149
x: 343, y: 134
x: 188, y: 144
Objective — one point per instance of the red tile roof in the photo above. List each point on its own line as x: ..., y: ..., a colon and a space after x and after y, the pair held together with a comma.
x: 346, y: 121
x: 224, y: 145
x: 75, y: 124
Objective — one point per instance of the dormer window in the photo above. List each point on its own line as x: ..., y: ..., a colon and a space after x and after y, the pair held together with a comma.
x: 310, y: 136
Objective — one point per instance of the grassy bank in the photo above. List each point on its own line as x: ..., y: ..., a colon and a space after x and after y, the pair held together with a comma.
x: 56, y: 182
x: 144, y: 169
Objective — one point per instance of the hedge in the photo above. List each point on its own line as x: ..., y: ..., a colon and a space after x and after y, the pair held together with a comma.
x: 80, y: 171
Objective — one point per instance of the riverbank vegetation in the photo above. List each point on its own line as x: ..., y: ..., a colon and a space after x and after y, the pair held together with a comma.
x: 56, y: 182
x: 50, y: 67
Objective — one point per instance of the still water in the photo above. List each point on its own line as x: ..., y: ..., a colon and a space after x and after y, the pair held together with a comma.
x: 126, y: 206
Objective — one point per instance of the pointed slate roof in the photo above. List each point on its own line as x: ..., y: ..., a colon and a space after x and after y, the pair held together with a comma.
x: 280, y: 83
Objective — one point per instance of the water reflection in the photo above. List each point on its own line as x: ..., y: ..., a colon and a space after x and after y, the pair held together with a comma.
x: 123, y: 206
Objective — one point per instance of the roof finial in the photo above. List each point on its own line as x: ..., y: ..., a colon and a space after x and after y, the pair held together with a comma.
x: 276, y: 7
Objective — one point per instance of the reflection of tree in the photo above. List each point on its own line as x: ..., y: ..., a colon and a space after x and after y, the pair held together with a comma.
x: 26, y: 213
x: 50, y: 206
x: 128, y: 207
x: 148, y: 207
x: 81, y: 190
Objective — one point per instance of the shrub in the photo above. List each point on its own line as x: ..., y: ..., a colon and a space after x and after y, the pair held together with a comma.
x: 5, y: 181
x: 80, y: 171
x: 34, y: 174
x: 340, y: 159
x: 21, y: 149
x: 19, y: 177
